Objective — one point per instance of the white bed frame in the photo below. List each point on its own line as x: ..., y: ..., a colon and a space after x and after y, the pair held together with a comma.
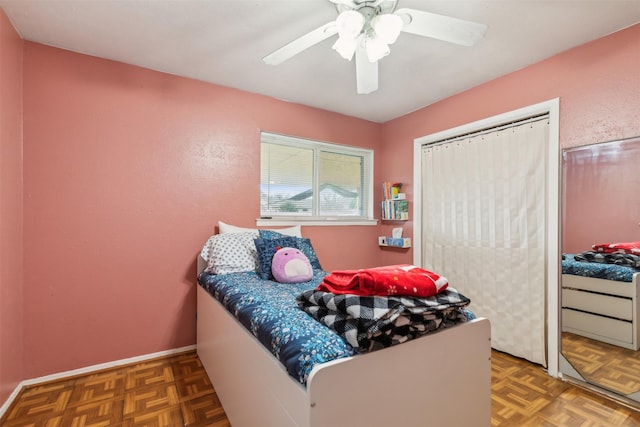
x: 442, y: 379
x: 608, y: 310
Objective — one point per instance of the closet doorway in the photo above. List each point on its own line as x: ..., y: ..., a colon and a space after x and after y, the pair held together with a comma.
x: 487, y: 218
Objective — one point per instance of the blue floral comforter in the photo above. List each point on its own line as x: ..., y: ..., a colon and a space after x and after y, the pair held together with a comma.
x: 297, y: 340
x: 598, y: 270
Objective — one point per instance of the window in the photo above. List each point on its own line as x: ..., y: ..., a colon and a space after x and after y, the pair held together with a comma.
x: 308, y: 180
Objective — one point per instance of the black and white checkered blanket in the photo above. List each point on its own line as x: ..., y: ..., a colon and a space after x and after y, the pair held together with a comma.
x: 627, y: 260
x: 371, y: 322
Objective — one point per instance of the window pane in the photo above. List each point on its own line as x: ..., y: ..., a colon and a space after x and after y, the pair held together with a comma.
x: 341, y: 181
x: 314, y: 180
x: 286, y: 180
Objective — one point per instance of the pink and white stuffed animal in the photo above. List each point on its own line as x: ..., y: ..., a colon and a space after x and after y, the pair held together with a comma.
x: 290, y: 265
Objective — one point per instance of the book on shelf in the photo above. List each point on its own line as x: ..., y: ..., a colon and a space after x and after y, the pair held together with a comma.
x: 395, y: 209
x: 391, y: 191
x: 386, y: 190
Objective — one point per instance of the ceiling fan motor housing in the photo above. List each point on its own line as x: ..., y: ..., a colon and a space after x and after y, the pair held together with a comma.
x: 368, y: 9
x: 373, y: 7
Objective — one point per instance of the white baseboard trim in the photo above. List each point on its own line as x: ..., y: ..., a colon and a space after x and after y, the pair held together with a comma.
x: 89, y: 369
x: 10, y: 399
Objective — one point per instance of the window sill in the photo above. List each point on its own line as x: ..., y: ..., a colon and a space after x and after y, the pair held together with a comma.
x: 314, y: 222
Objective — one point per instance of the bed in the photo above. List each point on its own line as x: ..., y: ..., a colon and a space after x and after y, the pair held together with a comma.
x: 442, y: 378
x: 600, y: 298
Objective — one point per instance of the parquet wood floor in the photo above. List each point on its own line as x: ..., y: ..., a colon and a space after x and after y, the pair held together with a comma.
x: 523, y: 395
x: 613, y: 367
x: 175, y: 391
x: 171, y: 391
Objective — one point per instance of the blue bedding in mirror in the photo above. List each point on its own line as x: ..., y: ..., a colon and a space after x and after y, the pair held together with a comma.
x: 598, y: 270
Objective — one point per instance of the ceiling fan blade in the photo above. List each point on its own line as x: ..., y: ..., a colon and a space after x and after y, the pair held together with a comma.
x: 441, y: 27
x: 366, y: 72
x: 304, y: 42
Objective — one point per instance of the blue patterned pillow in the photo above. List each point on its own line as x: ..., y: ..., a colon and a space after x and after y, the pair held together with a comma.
x: 270, y: 234
x: 301, y: 243
x: 305, y: 246
x: 266, y: 248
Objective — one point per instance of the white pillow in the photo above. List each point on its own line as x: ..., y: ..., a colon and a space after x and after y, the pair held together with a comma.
x: 294, y: 231
x: 230, y: 253
x: 204, y: 253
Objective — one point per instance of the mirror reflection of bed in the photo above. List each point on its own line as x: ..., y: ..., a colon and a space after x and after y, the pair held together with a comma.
x: 601, y: 266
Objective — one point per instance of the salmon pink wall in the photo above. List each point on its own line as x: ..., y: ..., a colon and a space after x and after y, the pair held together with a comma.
x: 599, y: 89
x: 11, y: 303
x: 127, y: 172
x: 606, y: 173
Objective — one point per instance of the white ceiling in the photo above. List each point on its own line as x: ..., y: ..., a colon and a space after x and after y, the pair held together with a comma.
x: 223, y: 42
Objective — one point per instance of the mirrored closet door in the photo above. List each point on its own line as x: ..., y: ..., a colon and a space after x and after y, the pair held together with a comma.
x: 601, y: 267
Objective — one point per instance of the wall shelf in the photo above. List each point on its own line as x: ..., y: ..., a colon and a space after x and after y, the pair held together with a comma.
x: 394, y: 210
x: 394, y: 242
x: 394, y: 206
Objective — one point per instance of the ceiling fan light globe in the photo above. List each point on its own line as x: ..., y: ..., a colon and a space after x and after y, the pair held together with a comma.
x: 350, y: 23
x: 387, y: 27
x: 346, y: 47
x: 376, y: 49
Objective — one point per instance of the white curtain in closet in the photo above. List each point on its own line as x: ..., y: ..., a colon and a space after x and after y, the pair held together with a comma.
x: 484, y: 229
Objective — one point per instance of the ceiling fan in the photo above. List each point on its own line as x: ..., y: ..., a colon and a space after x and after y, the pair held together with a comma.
x: 366, y: 28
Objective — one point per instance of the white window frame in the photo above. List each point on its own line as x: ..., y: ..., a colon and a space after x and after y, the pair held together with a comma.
x: 317, y: 146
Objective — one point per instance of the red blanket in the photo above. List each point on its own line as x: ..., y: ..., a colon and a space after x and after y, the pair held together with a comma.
x: 625, y: 248
x: 400, y: 279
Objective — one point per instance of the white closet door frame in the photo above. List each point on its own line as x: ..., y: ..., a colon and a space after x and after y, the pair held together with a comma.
x: 552, y: 107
